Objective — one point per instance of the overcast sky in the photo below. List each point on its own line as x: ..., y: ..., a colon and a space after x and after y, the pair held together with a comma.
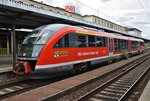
x: 134, y: 13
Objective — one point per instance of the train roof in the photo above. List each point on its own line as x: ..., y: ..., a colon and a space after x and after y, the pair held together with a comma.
x: 86, y: 30
x: 100, y: 33
x: 53, y: 27
x: 135, y: 39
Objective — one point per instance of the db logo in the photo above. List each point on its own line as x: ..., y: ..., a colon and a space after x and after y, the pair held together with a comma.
x: 56, y: 54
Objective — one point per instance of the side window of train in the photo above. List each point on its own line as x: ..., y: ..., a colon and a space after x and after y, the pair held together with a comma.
x: 91, y: 41
x: 99, y: 41
x: 116, y: 44
x: 141, y: 43
x: 120, y: 45
x: 73, y: 40
x: 104, y: 41
x: 66, y: 40
x: 134, y: 44
x: 69, y: 40
x: 82, y: 40
x: 63, y: 42
x: 58, y: 44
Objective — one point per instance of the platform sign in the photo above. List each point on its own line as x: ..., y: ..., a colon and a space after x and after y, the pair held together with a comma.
x: 70, y: 9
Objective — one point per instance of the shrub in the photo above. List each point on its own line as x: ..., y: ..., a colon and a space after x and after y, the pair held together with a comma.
x: 125, y: 55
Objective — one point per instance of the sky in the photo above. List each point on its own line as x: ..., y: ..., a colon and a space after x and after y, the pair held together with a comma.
x: 133, y: 13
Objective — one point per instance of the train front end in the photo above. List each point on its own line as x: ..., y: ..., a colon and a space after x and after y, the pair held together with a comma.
x: 30, y: 50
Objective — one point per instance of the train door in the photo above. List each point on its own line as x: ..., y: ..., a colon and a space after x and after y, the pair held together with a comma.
x: 110, y: 46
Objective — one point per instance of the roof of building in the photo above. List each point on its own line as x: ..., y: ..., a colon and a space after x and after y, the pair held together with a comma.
x: 102, y: 19
x: 55, y: 7
x: 130, y: 29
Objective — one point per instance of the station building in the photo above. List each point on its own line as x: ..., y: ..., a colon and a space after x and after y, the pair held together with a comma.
x: 5, y: 34
x: 105, y: 23
x: 134, y: 31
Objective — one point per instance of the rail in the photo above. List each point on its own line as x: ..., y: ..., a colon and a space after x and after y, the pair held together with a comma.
x: 105, y: 85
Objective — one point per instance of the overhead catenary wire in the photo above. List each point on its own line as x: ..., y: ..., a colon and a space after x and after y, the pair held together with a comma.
x: 141, y: 5
x: 96, y: 10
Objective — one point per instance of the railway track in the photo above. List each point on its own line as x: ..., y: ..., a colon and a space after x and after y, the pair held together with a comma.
x: 25, y: 85
x: 117, y: 88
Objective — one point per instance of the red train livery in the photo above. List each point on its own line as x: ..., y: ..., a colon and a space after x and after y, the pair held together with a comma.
x: 57, y: 48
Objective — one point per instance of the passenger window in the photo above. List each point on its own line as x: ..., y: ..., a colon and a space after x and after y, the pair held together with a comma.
x: 99, y: 41
x: 66, y: 40
x: 91, y: 41
x: 104, y: 42
x: 72, y: 40
x: 82, y: 41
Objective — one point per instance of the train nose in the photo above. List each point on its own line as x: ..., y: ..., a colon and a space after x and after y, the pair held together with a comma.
x: 22, y: 67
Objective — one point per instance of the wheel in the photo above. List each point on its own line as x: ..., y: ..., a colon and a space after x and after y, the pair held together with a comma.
x: 78, y: 68
x: 73, y: 71
x: 82, y: 67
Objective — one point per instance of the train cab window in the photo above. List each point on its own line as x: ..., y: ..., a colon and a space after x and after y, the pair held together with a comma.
x: 91, y: 41
x: 82, y: 41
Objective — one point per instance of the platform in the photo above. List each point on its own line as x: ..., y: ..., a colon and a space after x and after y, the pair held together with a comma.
x: 146, y: 93
x: 5, y: 68
x: 5, y: 59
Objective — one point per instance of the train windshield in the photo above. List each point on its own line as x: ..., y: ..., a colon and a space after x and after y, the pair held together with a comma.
x: 34, y: 42
x: 27, y: 50
x: 38, y: 37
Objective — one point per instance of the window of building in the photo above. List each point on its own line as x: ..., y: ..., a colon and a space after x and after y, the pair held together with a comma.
x: 102, y: 23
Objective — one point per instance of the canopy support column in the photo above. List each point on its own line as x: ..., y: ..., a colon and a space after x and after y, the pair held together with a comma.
x: 13, y: 44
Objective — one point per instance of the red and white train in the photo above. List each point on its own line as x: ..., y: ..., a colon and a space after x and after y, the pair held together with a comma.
x: 57, y: 48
